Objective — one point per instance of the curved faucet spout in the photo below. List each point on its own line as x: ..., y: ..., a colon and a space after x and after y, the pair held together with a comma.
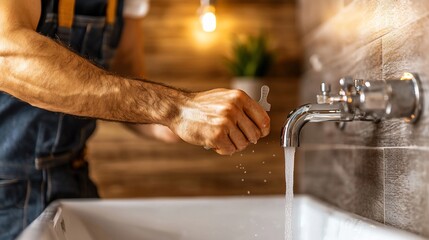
x: 309, y: 113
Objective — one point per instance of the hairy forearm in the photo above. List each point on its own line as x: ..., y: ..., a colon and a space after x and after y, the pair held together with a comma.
x: 45, y: 74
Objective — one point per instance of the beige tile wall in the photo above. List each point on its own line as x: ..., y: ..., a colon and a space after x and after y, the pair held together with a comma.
x: 379, y: 170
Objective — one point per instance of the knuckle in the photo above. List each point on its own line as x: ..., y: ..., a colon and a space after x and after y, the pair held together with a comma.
x: 231, y: 150
x: 225, y: 124
x: 267, y: 120
x: 229, y: 109
x: 238, y: 94
x: 255, y: 136
x: 266, y: 126
x: 221, y: 132
x: 243, y: 146
x: 258, y: 134
x: 218, y: 135
x: 252, y: 139
x: 226, y: 151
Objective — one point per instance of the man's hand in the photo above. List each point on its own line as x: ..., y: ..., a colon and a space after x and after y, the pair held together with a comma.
x: 225, y: 120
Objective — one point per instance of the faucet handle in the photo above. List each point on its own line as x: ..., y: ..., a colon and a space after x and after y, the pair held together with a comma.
x: 359, y: 84
x: 347, y: 84
x: 325, y: 88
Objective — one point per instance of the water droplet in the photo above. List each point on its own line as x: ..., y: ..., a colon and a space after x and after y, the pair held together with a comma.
x: 263, y: 162
x: 265, y: 180
x: 241, y: 154
x: 274, y: 155
x: 253, y: 151
x: 256, y: 235
x: 269, y: 172
x: 242, y: 179
x: 236, y: 166
x: 248, y: 192
x: 245, y: 172
x: 239, y: 164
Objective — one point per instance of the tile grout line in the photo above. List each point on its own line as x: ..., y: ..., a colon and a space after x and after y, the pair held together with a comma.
x: 381, y: 56
x: 384, y: 187
x: 347, y: 147
x: 384, y: 150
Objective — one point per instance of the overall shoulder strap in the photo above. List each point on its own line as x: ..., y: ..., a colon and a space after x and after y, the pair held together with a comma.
x: 111, y: 12
x: 65, y: 20
x: 66, y: 13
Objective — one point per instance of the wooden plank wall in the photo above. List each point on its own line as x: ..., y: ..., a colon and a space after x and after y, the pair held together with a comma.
x: 179, y: 54
x: 379, y: 170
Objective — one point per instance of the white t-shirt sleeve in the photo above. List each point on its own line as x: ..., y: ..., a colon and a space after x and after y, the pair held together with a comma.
x: 136, y: 8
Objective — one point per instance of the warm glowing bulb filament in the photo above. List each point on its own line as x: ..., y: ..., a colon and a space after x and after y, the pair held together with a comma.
x: 208, y: 21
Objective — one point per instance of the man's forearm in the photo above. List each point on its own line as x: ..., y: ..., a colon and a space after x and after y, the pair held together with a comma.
x: 45, y: 74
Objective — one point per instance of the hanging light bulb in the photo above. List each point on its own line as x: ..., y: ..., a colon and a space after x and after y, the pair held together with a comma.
x: 208, y: 20
x: 208, y: 15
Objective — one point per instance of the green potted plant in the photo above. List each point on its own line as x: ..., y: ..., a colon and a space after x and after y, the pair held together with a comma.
x: 249, y: 62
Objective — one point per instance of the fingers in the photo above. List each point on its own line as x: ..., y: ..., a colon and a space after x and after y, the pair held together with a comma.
x: 225, y: 146
x: 258, y: 115
x: 224, y: 120
x: 231, y: 141
x: 250, y: 130
x: 237, y: 137
x: 251, y: 122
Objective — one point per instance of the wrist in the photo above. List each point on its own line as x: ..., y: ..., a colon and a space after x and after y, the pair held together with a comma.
x: 158, y: 103
x: 182, y: 101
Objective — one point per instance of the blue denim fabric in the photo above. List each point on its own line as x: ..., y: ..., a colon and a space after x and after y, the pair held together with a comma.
x: 37, y: 147
x: 22, y: 201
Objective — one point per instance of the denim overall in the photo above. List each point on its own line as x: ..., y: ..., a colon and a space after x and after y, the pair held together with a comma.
x: 42, y: 152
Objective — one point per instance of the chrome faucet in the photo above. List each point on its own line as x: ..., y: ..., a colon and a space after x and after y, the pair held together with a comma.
x: 358, y: 100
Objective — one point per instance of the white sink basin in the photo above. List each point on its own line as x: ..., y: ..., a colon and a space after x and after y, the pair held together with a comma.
x: 203, y: 219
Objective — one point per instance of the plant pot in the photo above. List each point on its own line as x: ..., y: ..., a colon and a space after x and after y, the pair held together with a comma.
x: 251, y: 86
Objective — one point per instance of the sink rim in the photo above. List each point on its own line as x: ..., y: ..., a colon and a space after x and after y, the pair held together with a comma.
x: 49, y: 222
